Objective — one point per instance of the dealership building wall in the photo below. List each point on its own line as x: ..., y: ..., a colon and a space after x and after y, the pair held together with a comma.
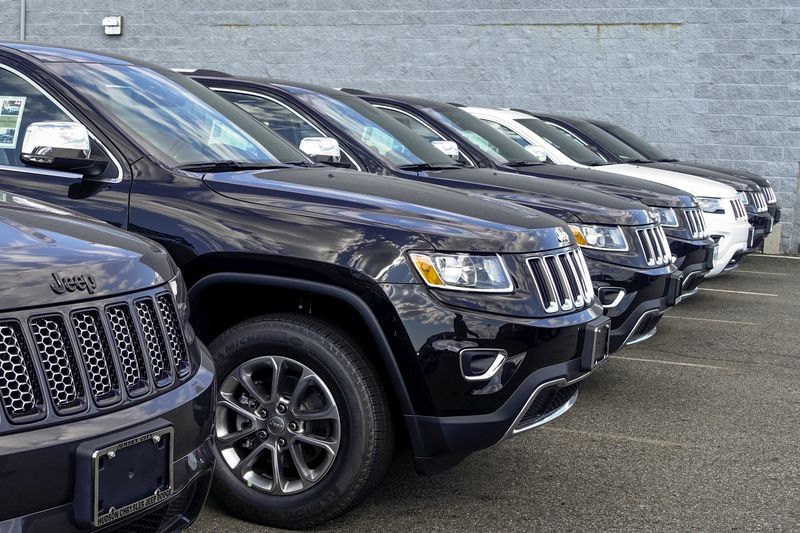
x: 712, y: 80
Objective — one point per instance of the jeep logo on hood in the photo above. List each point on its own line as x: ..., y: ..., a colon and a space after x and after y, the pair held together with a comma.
x: 62, y: 284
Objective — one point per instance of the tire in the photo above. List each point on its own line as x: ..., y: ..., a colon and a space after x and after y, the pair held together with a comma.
x: 298, y: 345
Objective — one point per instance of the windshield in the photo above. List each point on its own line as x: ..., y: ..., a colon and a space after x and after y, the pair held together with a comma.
x: 176, y: 119
x: 387, y: 137
x: 563, y: 142
x: 493, y: 143
x: 607, y: 141
x: 635, y: 142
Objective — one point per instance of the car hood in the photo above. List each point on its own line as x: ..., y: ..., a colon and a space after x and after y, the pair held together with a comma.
x: 737, y: 182
x: 694, y: 185
x: 755, y: 178
x: 568, y: 202
x: 647, y: 192
x: 41, y: 244
x: 447, y: 220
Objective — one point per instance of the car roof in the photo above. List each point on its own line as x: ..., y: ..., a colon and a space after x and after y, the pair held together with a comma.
x: 503, y: 112
x: 63, y: 54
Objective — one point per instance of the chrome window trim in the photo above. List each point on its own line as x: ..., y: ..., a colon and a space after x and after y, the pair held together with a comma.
x: 47, y: 95
x: 290, y: 110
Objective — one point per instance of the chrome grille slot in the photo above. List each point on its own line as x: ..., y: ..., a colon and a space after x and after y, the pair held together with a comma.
x: 19, y: 386
x: 739, y: 211
x: 96, y: 354
x: 654, y: 245
x: 154, y: 342
x: 59, y: 364
x: 696, y: 222
x: 174, y: 334
x: 562, y: 280
x: 770, y: 192
x: 131, y: 360
x: 758, y: 200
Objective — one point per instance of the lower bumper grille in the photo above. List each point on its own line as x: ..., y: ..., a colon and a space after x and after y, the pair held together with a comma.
x: 548, y: 403
x: 161, y: 519
x: 645, y: 328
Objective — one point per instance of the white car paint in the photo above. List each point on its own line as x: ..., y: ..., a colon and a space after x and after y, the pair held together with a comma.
x: 734, y: 232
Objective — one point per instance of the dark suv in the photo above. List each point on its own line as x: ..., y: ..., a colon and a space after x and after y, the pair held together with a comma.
x: 626, y: 249
x: 106, y: 395
x: 332, y: 304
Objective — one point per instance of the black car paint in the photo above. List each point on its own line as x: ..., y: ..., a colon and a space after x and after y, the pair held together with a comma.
x: 41, y: 242
x: 304, y: 233
x: 646, y: 288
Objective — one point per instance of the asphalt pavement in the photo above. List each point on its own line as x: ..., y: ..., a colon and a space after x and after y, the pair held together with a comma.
x: 695, y: 429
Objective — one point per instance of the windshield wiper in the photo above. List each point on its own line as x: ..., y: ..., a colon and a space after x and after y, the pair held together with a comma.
x: 598, y: 163
x: 636, y: 161
x: 668, y: 160
x: 229, y: 165
x: 428, y: 166
x: 523, y: 163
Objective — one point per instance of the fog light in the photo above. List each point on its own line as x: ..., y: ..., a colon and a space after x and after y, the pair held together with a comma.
x: 610, y: 296
x: 481, y: 364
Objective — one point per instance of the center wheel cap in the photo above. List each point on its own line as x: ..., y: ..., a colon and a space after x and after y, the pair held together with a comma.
x: 276, y: 425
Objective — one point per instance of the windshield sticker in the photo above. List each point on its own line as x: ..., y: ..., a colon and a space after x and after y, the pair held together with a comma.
x: 11, y: 108
x: 378, y: 139
x: 222, y: 134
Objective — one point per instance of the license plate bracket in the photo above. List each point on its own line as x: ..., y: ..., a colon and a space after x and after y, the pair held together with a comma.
x: 596, y: 343
x: 120, y: 475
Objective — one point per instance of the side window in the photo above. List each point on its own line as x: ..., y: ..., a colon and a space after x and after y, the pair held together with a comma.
x: 289, y: 125
x: 421, y: 129
x: 20, y: 105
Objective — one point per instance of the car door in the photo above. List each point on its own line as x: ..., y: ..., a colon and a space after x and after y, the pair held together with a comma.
x: 24, y: 102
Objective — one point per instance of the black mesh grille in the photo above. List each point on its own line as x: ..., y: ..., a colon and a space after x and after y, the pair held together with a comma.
x: 19, y: 388
x: 548, y: 402
x: 645, y: 328
x: 88, y: 358
x: 174, y: 334
x: 131, y: 360
x: 59, y: 364
x: 154, y: 342
x: 96, y: 354
x: 161, y: 519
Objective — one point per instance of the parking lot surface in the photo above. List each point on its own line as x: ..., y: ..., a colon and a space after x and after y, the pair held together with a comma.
x: 695, y: 429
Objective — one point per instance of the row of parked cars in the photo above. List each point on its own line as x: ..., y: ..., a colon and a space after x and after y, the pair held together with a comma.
x: 362, y: 268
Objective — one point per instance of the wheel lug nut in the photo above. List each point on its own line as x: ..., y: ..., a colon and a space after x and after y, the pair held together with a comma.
x: 281, y: 442
x: 281, y: 408
x: 261, y: 434
x: 262, y: 413
x: 292, y: 426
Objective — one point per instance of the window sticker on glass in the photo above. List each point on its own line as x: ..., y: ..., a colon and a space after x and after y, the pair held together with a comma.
x: 11, y: 109
x: 378, y: 139
x: 222, y: 134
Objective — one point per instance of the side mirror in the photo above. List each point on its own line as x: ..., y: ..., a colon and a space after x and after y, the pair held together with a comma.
x: 538, y: 152
x: 321, y: 147
x: 447, y: 147
x: 60, y: 146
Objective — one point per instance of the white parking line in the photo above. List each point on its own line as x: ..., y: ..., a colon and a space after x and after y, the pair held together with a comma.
x: 739, y: 271
x: 624, y: 438
x: 740, y: 292
x: 776, y: 256
x: 659, y: 361
x: 713, y: 320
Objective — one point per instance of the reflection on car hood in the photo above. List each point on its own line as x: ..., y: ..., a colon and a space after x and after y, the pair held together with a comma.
x: 446, y: 219
x: 737, y: 182
x: 40, y: 243
x: 694, y: 185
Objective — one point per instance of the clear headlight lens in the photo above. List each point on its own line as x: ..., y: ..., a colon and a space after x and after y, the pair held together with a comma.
x: 743, y: 197
x: 463, y: 272
x: 179, y: 293
x: 666, y: 216
x: 711, y: 205
x: 600, y: 237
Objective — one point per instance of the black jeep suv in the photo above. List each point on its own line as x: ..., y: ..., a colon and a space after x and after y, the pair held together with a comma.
x: 106, y: 395
x: 625, y: 246
x: 331, y: 303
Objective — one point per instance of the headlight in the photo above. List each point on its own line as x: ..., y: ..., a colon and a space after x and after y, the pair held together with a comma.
x: 463, y: 272
x: 666, y: 216
x: 178, y: 289
x: 711, y: 205
x: 743, y: 197
x: 600, y: 237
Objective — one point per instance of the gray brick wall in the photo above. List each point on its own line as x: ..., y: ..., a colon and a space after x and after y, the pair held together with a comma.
x: 709, y: 80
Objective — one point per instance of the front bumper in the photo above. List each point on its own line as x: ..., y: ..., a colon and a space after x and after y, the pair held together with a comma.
x: 694, y: 258
x: 454, y: 416
x: 45, y: 458
x: 640, y: 293
x: 733, y: 239
x: 775, y: 212
x: 762, y: 226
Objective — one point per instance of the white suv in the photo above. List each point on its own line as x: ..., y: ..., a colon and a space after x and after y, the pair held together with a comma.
x: 725, y: 215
